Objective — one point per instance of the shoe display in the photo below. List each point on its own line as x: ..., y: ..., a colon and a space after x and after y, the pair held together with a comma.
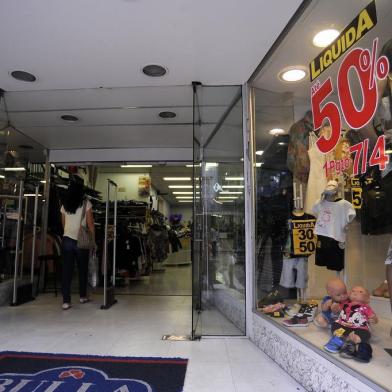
x: 381, y: 290
x: 66, y: 306
x: 334, y: 345
x: 296, y: 321
x: 348, y: 350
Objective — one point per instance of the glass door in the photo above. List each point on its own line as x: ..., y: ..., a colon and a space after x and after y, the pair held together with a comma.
x: 218, y: 213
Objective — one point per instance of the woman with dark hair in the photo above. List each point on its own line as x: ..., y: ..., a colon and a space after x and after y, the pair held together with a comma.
x: 76, y: 212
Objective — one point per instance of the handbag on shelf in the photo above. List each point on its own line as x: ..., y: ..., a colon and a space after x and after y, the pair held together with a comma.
x: 85, y: 237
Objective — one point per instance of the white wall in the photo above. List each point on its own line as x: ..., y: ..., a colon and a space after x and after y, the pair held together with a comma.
x: 186, y: 212
x: 130, y: 184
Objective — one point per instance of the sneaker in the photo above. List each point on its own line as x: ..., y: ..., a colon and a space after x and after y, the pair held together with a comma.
x: 292, y: 310
x: 334, y: 345
x: 66, y: 306
x: 364, y: 353
x: 309, y: 310
x: 348, y: 350
x: 83, y: 300
x: 296, y: 321
x: 273, y: 308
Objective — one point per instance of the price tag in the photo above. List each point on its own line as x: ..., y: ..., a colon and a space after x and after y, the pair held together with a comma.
x: 304, y: 239
x: 356, y: 193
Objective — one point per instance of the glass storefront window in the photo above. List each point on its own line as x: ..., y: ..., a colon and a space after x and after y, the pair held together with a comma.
x: 323, y: 138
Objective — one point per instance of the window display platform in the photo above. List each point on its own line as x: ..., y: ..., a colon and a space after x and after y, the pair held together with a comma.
x: 299, y: 352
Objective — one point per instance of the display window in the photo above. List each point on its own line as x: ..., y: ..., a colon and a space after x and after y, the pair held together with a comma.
x: 323, y: 175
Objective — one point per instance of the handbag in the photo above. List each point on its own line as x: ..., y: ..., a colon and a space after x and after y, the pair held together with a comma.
x: 85, y: 237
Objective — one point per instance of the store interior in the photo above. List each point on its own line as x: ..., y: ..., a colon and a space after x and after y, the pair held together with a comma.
x: 287, y: 188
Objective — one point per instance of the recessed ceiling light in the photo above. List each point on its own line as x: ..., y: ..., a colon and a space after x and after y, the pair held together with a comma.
x: 228, y: 197
x: 154, y: 70
x: 25, y: 147
x: 183, y: 193
x: 137, y: 166
x: 176, y: 178
x: 167, y: 114
x: 292, y: 75
x: 69, y: 118
x: 277, y: 131
x: 259, y: 152
x: 23, y: 76
x: 234, y: 178
x: 325, y: 37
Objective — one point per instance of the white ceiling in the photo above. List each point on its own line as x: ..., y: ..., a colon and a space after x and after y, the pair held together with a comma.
x: 88, y: 58
x: 100, y: 43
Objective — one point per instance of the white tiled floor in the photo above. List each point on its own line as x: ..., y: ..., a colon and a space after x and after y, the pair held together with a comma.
x: 134, y: 327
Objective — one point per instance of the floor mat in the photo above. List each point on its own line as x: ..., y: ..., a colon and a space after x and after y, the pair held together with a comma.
x: 26, y: 372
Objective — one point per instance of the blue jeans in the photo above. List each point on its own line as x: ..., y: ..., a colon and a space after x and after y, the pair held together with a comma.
x: 71, y: 252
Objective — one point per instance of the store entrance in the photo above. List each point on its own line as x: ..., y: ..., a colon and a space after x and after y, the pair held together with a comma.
x: 142, y: 218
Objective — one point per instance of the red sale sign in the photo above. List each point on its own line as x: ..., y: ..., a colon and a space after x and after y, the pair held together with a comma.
x: 368, y: 68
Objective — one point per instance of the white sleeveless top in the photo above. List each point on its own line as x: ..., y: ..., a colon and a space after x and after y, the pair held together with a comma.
x: 72, y: 221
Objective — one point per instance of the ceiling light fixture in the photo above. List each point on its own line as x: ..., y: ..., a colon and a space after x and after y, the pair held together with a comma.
x: 135, y: 166
x: 9, y: 169
x: 197, y: 165
x: 186, y: 197
x: 233, y: 186
x: 282, y: 143
x: 185, y: 201
x: 277, y: 131
x: 23, y: 76
x: 1, y: 176
x: 228, y: 197
x: 212, y: 164
x: 154, y: 70
x: 43, y: 182
x: 227, y: 201
x: 258, y: 164
x: 325, y: 37
x: 182, y: 186
x: 183, y: 193
x: 230, y: 193
x: 167, y: 114
x: 176, y: 178
x: 69, y: 118
x: 259, y: 152
x: 31, y: 195
x: 292, y: 74
x: 234, y: 178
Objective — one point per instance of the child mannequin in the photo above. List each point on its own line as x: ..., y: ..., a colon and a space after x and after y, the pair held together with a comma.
x: 353, y: 326
x: 330, y: 305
